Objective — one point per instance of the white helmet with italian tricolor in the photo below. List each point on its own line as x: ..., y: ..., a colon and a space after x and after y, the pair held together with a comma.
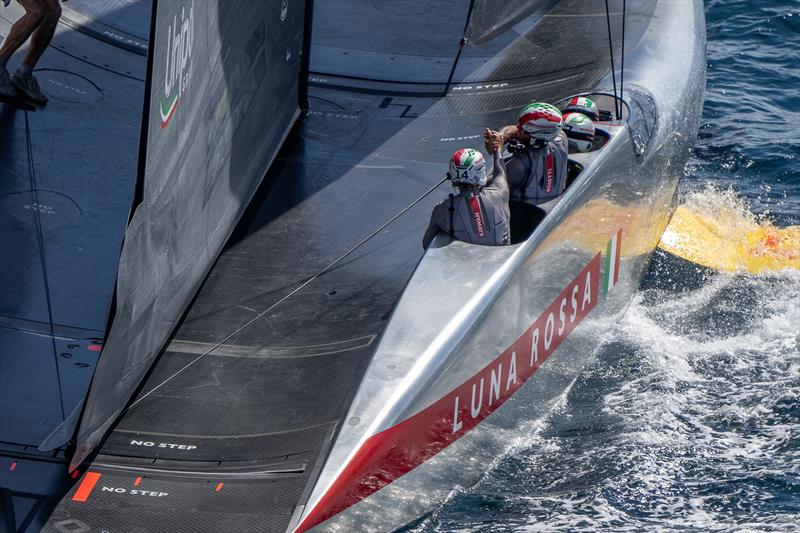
x: 580, y: 131
x: 581, y: 104
x: 541, y: 121
x: 468, y: 167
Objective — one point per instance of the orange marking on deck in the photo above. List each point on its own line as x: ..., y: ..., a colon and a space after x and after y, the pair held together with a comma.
x: 86, y: 486
x: 219, y: 487
x: 13, y: 466
x: 138, y: 481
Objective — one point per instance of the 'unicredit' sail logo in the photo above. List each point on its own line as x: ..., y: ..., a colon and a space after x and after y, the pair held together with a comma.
x: 180, y: 37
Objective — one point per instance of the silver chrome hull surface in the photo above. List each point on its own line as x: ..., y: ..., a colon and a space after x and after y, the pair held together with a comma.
x: 413, y: 432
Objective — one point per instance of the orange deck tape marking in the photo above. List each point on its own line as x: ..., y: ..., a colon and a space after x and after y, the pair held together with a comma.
x: 86, y: 486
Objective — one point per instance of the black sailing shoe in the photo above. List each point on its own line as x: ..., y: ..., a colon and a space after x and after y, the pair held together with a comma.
x: 6, y: 89
x: 29, y: 87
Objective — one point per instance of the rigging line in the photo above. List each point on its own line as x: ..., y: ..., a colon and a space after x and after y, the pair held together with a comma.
x: 461, y: 45
x: 611, y: 51
x: 622, y: 59
x: 295, y: 291
x: 40, y: 240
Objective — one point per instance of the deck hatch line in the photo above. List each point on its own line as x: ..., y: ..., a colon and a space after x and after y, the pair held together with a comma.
x: 236, y: 436
x: 265, y: 473
x: 278, y: 352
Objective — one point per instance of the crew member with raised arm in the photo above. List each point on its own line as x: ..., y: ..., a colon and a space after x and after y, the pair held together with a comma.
x: 478, y: 213
x: 537, y: 172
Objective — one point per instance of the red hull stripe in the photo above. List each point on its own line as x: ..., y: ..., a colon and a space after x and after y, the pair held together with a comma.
x: 387, y: 455
x: 86, y: 486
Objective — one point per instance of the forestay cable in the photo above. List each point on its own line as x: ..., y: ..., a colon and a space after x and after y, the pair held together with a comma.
x: 622, y: 59
x: 295, y: 291
x: 461, y: 43
x: 36, y: 208
x: 613, y: 71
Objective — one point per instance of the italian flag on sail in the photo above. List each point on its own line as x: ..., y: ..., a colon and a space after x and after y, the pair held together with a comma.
x: 612, y: 262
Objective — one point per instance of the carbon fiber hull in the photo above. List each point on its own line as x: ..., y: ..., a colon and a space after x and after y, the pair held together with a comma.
x: 360, y: 399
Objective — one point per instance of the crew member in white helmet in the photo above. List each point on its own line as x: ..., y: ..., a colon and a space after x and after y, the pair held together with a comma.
x: 479, y: 212
x: 580, y: 132
x: 537, y: 172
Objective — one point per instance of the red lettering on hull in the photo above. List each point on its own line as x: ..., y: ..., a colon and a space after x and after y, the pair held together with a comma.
x: 387, y: 455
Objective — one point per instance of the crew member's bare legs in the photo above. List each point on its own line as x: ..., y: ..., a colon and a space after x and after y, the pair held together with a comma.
x: 43, y: 34
x: 23, y: 28
x: 39, y: 23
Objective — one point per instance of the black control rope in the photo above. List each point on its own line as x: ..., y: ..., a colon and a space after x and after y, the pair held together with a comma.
x: 36, y: 207
x: 451, y: 210
x: 461, y: 45
x: 613, y: 71
x: 622, y: 59
x: 295, y: 291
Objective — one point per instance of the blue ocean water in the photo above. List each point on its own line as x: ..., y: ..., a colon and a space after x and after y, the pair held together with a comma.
x: 688, y: 416
x: 750, y: 138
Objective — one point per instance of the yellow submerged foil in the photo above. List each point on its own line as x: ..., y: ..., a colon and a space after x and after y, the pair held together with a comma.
x: 715, y: 230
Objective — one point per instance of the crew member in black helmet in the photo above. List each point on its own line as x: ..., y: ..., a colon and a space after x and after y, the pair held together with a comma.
x: 39, y: 23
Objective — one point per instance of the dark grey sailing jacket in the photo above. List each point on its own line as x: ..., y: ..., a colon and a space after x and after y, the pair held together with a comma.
x: 479, y: 217
x: 539, y: 174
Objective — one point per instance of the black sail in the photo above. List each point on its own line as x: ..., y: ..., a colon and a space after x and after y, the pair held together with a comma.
x: 223, y: 95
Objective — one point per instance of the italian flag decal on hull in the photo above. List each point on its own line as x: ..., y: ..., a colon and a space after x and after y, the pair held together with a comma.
x: 167, y: 110
x: 612, y: 262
